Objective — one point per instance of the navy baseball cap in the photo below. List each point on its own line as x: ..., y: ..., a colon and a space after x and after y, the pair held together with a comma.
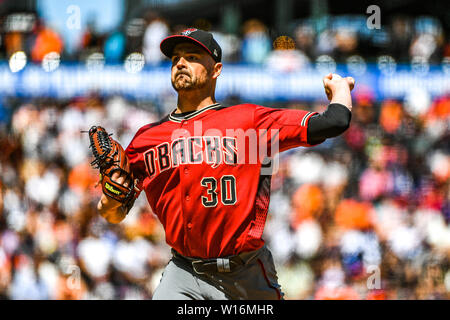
x: 196, y: 36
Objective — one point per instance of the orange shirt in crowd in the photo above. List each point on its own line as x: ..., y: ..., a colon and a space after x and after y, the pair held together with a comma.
x: 46, y: 41
x: 339, y: 293
x: 351, y: 214
x: 308, y: 203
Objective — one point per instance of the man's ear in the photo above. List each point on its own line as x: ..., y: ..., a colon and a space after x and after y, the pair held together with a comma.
x: 217, y: 69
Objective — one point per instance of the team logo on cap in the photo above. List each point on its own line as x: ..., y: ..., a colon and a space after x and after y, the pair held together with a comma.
x: 215, y: 52
x: 188, y: 31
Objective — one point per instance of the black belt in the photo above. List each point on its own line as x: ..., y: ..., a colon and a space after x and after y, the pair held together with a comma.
x: 200, y: 266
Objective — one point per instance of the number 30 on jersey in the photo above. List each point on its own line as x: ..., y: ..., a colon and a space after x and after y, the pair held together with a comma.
x: 227, y: 193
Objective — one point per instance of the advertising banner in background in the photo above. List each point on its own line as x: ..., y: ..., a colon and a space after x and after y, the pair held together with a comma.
x: 246, y: 82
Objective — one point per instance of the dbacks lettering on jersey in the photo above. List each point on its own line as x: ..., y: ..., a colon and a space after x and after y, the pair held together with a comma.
x: 212, y: 150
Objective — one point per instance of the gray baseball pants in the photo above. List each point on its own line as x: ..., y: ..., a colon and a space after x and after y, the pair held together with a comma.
x: 254, y: 279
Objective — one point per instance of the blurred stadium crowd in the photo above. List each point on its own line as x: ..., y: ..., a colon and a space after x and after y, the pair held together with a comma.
x: 362, y: 216
x: 365, y: 215
x: 404, y: 39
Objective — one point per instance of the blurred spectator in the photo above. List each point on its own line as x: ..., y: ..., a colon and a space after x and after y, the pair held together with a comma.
x: 346, y: 44
x: 305, y: 40
x: 114, y: 47
x: 285, y: 57
x: 135, y: 30
x: 391, y: 115
x: 26, y: 283
x: 332, y: 285
x: 400, y: 38
x: 351, y: 214
x: 46, y: 41
x: 424, y: 46
x: 90, y: 40
x: 256, y: 43
x: 13, y: 41
x: 230, y: 44
x: 428, y: 41
x: 308, y: 202
x: 156, y: 30
x: 326, y: 42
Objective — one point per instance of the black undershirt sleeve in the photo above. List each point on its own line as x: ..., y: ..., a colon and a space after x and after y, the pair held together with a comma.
x: 331, y: 123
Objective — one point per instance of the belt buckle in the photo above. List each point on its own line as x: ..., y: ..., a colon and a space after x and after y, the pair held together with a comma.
x: 195, y: 263
x: 222, y: 264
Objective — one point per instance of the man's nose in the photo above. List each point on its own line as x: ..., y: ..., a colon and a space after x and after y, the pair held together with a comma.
x: 181, y: 63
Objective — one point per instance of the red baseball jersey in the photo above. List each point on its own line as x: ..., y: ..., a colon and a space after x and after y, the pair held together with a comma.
x: 204, y: 173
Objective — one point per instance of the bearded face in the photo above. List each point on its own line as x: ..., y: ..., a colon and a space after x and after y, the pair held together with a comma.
x: 186, y: 80
x: 191, y: 68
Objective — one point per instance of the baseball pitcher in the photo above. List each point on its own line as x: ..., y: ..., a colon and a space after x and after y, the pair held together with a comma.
x: 205, y: 169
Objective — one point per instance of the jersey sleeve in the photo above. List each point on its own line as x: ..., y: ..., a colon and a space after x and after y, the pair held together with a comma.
x: 285, y: 127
